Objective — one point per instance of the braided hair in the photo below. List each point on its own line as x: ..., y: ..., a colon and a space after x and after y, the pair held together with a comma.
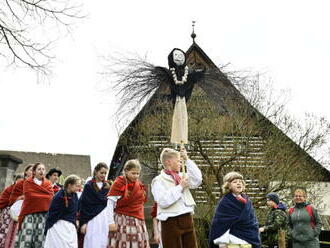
x: 72, y: 179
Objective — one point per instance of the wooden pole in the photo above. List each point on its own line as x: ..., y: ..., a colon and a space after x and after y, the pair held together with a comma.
x: 183, y: 162
x: 281, y: 238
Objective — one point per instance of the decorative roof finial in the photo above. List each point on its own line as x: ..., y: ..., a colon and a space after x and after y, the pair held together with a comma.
x: 193, y: 35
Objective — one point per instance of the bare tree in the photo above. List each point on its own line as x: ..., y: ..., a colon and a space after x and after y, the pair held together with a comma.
x: 25, y: 38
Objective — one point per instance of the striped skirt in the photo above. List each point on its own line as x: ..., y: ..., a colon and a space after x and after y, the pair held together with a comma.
x: 4, y: 225
x: 132, y: 233
x: 12, y: 230
x: 32, y: 231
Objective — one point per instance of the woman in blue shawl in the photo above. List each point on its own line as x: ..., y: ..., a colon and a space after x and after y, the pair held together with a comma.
x: 93, y: 217
x: 60, y: 228
x: 234, y: 223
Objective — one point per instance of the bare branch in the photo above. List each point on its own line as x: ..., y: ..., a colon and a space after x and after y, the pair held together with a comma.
x: 18, y: 21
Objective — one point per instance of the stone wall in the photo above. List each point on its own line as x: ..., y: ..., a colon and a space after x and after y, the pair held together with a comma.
x: 8, y: 166
x: 67, y: 163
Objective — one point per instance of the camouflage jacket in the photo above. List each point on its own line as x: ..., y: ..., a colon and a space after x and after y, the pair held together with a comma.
x: 276, y: 220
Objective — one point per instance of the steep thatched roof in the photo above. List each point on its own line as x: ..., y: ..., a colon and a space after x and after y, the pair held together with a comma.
x: 220, y: 90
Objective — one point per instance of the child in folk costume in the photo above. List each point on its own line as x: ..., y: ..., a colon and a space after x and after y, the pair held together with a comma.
x: 126, y: 209
x: 53, y: 175
x: 234, y: 223
x: 5, y: 212
x: 16, y: 200
x: 175, y: 202
x: 92, y: 207
x: 60, y: 226
x: 38, y: 193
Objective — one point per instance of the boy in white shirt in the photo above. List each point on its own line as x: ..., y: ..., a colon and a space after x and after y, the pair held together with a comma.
x: 175, y: 202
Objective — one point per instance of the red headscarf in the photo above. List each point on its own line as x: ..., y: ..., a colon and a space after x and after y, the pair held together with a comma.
x: 37, y: 198
x: 133, y: 197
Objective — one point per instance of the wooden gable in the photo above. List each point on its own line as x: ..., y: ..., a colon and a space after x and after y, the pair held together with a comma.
x: 225, y: 132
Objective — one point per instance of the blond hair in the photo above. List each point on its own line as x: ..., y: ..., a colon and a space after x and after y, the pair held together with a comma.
x: 132, y: 164
x: 228, y: 178
x: 72, y: 179
x: 168, y: 153
x: 301, y: 190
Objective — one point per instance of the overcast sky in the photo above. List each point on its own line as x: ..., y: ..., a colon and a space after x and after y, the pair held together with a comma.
x: 287, y: 40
